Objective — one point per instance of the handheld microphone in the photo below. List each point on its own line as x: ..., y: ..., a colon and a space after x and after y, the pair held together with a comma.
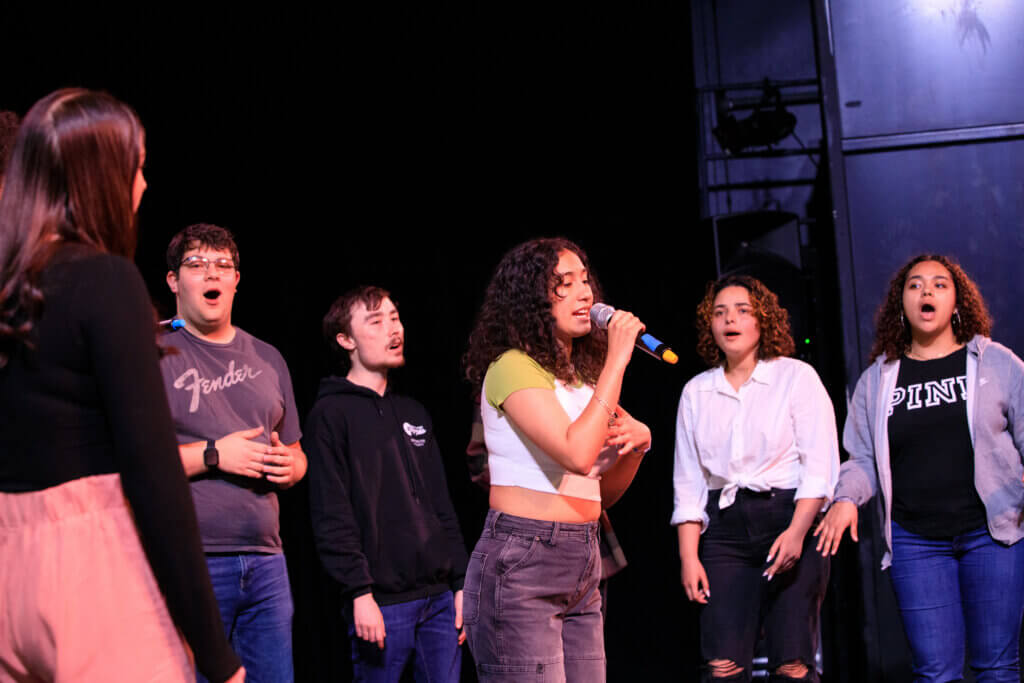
x: 600, y: 314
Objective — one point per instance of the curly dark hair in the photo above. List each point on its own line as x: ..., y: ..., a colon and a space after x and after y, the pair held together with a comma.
x: 772, y: 320
x: 516, y: 314
x: 892, y: 333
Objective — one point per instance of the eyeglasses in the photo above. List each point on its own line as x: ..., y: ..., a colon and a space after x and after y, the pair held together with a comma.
x: 201, y: 264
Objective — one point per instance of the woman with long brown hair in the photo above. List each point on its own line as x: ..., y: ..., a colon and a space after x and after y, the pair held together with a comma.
x: 756, y: 458
x: 102, y: 562
x: 936, y: 426
x: 560, y: 448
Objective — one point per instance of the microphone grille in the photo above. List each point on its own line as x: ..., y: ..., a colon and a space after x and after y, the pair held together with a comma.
x: 600, y: 314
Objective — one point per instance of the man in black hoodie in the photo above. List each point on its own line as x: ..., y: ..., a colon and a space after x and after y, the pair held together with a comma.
x: 383, y: 522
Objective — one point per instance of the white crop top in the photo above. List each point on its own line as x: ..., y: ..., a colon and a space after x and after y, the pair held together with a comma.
x: 513, y: 459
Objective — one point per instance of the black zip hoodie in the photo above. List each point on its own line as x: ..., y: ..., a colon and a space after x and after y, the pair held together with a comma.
x: 382, y: 518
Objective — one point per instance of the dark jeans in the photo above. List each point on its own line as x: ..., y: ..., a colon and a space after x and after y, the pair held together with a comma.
x: 733, y: 550
x: 256, y: 606
x: 422, y: 630
x: 966, y: 587
x: 532, y: 606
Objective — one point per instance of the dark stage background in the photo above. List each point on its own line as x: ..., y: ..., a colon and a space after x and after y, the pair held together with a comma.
x: 410, y: 146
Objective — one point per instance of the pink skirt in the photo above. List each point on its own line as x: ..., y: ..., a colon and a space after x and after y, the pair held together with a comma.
x: 78, y: 600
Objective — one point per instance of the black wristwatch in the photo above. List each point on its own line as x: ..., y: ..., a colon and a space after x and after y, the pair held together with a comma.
x: 211, y: 456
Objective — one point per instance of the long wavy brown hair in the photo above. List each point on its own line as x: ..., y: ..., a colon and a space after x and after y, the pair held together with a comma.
x: 516, y: 314
x: 772, y: 320
x: 70, y: 176
x: 892, y: 332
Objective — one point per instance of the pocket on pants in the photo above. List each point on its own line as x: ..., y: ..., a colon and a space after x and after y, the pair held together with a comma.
x: 471, y: 588
x: 515, y: 673
x: 524, y: 571
x: 516, y: 553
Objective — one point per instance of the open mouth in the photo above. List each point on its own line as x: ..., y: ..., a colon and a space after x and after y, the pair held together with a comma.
x: 395, y: 344
x: 927, y: 308
x: 211, y: 294
x: 582, y: 313
x: 731, y: 334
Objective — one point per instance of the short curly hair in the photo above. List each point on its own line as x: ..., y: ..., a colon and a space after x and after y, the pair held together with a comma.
x: 892, y: 332
x: 516, y: 314
x: 772, y: 320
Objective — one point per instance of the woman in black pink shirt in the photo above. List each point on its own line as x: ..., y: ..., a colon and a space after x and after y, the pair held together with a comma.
x: 936, y: 427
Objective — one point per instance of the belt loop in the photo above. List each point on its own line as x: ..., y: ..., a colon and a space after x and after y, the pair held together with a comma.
x: 494, y: 522
x: 554, y: 533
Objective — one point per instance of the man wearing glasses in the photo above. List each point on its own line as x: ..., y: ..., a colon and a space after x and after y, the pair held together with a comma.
x: 238, y: 434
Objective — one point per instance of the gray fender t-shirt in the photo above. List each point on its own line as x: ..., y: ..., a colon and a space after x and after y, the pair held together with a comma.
x: 216, y: 389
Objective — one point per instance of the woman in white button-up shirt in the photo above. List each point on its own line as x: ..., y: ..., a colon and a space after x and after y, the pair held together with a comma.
x: 756, y: 458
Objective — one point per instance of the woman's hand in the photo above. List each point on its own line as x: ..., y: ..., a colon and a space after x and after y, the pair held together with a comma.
x: 842, y: 515
x: 692, y: 574
x: 789, y: 546
x: 623, y: 329
x: 695, y: 581
x: 629, y: 434
x: 786, y: 551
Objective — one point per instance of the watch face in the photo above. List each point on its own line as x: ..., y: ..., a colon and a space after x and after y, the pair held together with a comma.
x: 211, y: 457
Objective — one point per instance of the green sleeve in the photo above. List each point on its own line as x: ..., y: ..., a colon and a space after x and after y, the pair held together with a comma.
x: 512, y: 371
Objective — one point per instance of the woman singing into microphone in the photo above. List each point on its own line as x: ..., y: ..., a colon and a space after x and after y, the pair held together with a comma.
x: 756, y: 458
x: 936, y: 427
x: 559, y: 449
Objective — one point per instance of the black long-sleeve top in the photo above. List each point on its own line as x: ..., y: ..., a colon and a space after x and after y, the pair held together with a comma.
x: 382, y: 518
x: 89, y: 400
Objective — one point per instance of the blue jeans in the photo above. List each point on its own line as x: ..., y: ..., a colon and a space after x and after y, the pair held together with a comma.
x: 422, y: 630
x: 532, y: 604
x: 256, y: 607
x: 948, y: 590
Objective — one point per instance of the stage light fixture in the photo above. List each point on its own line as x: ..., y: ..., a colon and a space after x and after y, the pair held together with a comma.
x: 768, y: 124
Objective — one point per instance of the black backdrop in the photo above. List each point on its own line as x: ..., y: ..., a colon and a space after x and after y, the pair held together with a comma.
x: 410, y: 146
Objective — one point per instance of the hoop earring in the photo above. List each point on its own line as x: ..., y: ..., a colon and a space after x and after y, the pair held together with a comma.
x: 903, y: 321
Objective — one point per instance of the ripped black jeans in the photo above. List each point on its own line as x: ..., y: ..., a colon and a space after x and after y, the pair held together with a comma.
x: 733, y: 551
